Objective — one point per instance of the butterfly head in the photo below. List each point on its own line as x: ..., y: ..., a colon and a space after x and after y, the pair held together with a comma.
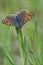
x: 7, y: 20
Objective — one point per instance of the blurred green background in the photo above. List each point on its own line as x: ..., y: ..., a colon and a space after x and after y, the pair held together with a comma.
x: 8, y: 33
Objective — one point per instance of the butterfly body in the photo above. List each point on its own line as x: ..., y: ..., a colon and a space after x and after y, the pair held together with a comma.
x: 19, y: 20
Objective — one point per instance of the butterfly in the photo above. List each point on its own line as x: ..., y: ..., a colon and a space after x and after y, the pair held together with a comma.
x: 19, y: 20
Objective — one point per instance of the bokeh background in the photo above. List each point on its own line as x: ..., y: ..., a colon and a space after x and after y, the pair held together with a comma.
x: 8, y: 33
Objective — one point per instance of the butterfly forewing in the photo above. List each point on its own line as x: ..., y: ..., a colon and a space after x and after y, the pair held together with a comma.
x: 24, y: 16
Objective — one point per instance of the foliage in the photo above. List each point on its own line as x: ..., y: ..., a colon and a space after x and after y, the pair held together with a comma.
x: 32, y: 37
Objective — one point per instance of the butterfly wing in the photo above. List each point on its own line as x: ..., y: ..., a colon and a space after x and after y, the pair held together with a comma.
x: 10, y: 20
x: 19, y: 20
x: 24, y: 16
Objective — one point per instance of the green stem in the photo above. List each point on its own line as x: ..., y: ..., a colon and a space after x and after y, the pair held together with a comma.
x: 20, y: 40
x: 37, y: 42
x: 21, y: 46
x: 9, y: 57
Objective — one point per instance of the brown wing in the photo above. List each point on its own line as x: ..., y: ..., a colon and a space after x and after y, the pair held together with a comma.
x: 28, y: 16
x: 24, y: 16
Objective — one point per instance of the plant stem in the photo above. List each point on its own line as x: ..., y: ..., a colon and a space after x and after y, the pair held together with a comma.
x: 20, y: 41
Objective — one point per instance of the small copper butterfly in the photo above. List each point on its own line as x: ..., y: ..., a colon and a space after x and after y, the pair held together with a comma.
x: 19, y: 20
